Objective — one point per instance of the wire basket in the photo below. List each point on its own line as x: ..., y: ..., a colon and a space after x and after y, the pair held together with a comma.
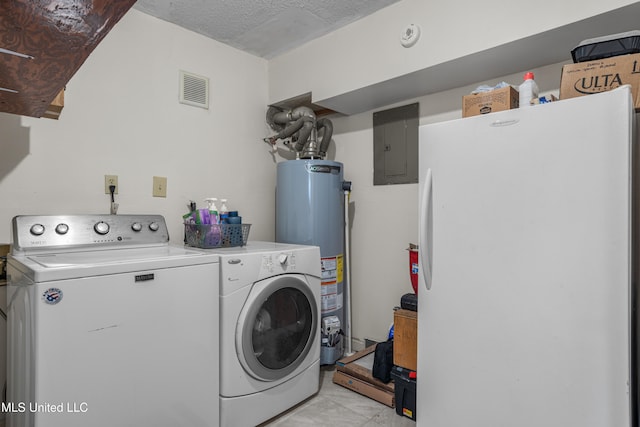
x: 208, y: 236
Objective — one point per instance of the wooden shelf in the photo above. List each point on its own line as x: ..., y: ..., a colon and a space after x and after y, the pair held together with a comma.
x: 50, y: 39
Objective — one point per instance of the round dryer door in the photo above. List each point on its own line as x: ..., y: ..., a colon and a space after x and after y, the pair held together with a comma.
x: 277, y: 326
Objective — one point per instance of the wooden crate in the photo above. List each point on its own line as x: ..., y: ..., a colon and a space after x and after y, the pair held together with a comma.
x: 354, y: 373
x: 405, y: 339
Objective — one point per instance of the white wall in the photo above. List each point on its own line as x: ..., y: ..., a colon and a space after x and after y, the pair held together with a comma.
x: 369, y: 50
x: 122, y: 117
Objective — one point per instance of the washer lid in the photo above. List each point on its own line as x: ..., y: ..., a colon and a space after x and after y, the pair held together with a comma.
x: 84, y: 259
x: 69, y: 265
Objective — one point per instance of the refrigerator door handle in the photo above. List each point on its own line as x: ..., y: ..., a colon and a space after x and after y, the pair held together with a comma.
x: 425, y: 242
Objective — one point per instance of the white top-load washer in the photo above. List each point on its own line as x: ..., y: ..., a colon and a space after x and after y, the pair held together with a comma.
x: 269, y: 329
x: 109, y: 325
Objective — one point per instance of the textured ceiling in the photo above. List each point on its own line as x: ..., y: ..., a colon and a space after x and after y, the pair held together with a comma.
x: 265, y: 28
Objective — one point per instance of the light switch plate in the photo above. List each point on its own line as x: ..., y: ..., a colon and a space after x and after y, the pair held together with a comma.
x: 159, y: 186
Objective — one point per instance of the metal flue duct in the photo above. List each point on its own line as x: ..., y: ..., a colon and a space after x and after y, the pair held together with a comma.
x: 300, y: 124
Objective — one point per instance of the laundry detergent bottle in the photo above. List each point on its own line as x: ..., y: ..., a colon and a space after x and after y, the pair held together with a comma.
x: 528, y: 90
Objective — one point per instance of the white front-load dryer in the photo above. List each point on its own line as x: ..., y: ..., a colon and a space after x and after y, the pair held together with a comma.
x: 269, y: 330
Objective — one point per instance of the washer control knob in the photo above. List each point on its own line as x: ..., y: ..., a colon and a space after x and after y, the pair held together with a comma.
x: 282, y: 258
x: 62, y: 228
x: 154, y: 226
x: 101, y: 227
x: 136, y: 226
x: 37, y: 229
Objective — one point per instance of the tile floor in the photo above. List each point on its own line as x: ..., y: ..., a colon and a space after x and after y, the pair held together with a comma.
x: 335, y: 406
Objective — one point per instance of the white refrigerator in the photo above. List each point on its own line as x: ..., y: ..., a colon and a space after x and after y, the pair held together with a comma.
x: 528, y: 261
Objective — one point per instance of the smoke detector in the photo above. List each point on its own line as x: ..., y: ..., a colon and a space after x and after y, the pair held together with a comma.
x: 410, y: 35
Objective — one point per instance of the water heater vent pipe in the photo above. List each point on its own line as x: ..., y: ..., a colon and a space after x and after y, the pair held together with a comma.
x: 301, y: 126
x: 346, y: 186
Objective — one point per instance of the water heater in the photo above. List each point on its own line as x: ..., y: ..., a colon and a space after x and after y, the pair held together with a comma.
x: 310, y: 211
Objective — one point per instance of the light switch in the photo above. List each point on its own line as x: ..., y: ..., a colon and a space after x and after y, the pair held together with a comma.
x: 159, y: 186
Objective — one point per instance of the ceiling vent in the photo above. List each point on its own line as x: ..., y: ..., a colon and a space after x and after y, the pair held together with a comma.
x: 194, y: 90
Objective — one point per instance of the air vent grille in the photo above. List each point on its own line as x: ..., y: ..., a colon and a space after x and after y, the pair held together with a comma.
x: 194, y: 90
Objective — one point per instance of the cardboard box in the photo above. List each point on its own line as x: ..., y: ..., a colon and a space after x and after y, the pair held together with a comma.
x: 505, y: 98
x: 405, y: 339
x: 354, y: 373
x: 587, y: 78
x: 54, y: 110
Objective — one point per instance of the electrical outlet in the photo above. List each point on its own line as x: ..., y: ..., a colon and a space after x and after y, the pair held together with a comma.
x: 159, y: 186
x: 110, y: 180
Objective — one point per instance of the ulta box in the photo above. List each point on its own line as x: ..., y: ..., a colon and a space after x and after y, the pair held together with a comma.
x: 587, y: 78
